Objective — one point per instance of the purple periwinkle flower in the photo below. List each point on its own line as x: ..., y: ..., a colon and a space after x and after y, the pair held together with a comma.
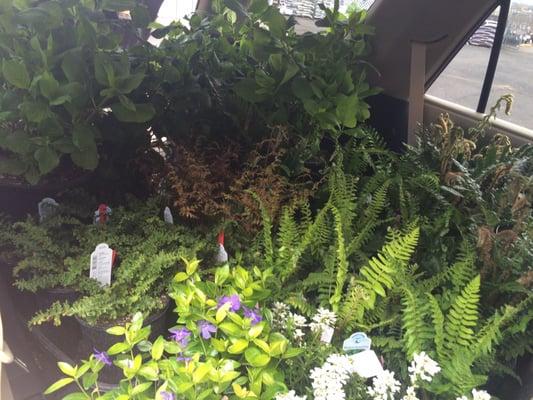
x: 233, y: 300
x: 180, y: 335
x: 254, y: 314
x: 183, y: 358
x: 167, y: 395
x: 206, y: 329
x: 103, y: 357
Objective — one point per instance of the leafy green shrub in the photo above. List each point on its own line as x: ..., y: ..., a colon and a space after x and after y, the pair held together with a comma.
x: 221, y: 345
x: 57, y: 253
x: 63, y: 66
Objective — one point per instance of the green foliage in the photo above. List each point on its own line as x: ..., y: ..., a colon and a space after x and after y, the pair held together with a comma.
x: 238, y: 357
x: 62, y: 67
x: 56, y: 254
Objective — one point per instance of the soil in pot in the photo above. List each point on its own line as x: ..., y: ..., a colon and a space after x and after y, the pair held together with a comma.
x: 96, y: 338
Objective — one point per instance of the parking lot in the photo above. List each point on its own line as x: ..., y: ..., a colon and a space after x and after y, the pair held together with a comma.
x: 462, y: 80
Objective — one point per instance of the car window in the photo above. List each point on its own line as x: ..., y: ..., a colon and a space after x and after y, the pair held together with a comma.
x: 514, y: 73
x: 311, y: 9
x: 462, y: 80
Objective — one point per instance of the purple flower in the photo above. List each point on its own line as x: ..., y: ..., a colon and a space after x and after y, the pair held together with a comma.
x: 102, y: 357
x: 253, y: 314
x: 167, y: 395
x: 206, y: 329
x: 180, y: 335
x: 233, y: 300
x: 181, y: 357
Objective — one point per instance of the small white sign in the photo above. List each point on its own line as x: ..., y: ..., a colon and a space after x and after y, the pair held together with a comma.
x: 167, y: 216
x: 366, y: 364
x: 101, y: 263
x: 327, y: 334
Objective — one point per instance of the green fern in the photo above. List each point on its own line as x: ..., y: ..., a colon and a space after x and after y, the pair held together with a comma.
x: 378, y: 274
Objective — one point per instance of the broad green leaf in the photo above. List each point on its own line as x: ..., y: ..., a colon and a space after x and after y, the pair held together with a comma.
x: 157, y: 348
x: 58, y: 385
x: 49, y: 86
x: 83, y: 137
x: 293, y: 352
x: 238, y: 347
x: 143, y: 113
x: 18, y: 142
x: 75, y: 396
x: 47, y: 159
x: 116, y: 330
x: 86, y: 159
x: 35, y: 111
x: 222, y: 312
x: 347, y: 109
x: 180, y: 277
x: 16, y: 73
x: 118, y: 348
x: 229, y: 328
x: 256, y: 358
x: 218, y: 344
x: 118, y: 5
x: 256, y: 330
x: 200, y: 372
x: 130, y: 83
x: 67, y: 369
x: 127, y: 103
x: 141, y: 388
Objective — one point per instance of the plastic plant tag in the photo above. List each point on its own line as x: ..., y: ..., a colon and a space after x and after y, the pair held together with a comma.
x: 366, y: 364
x: 359, y: 341
x: 47, y: 207
x: 101, y: 216
x: 101, y: 264
x: 327, y: 334
x: 222, y: 256
x: 167, y: 216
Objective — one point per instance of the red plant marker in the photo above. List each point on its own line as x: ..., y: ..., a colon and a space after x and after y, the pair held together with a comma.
x: 102, y: 213
x: 221, y: 238
x: 221, y: 256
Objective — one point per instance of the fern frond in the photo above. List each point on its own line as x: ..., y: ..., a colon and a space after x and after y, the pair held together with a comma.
x: 462, y: 318
x: 370, y: 220
x: 417, y: 330
x: 378, y: 274
x: 267, y: 245
x: 342, y: 262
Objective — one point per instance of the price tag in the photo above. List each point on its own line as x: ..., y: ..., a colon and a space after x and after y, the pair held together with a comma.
x: 366, y: 364
x: 327, y: 334
x: 101, y: 264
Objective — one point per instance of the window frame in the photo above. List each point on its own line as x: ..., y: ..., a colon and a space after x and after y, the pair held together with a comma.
x: 492, y: 64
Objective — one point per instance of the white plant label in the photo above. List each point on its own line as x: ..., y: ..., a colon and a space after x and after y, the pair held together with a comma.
x: 101, y: 263
x: 327, y: 334
x: 366, y: 364
x: 167, y: 216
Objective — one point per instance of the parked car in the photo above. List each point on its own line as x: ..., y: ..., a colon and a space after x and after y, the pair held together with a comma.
x: 484, y: 36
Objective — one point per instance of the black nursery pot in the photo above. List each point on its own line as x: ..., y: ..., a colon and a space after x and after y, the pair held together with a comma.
x: 45, y: 298
x: 96, y: 338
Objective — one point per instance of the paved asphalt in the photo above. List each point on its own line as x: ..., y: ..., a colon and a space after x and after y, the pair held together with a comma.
x: 461, y: 81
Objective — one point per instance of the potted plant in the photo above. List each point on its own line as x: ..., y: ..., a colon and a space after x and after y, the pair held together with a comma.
x: 64, y: 68
x: 55, y: 255
x: 223, y: 345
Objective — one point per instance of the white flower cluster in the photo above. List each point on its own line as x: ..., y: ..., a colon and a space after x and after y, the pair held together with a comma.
x: 422, y: 367
x: 322, y: 320
x: 290, y: 395
x: 287, y: 321
x: 477, y: 395
x: 384, y: 386
x: 410, y: 394
x: 328, y: 381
